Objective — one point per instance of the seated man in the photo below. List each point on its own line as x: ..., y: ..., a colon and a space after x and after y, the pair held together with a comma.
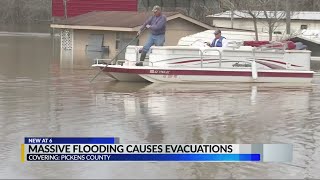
x: 219, y: 41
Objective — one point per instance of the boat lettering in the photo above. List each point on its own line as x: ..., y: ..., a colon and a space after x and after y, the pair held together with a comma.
x: 159, y: 72
x: 170, y: 76
x: 238, y: 64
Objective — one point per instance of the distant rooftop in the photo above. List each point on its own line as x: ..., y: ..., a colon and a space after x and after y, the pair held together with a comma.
x: 117, y: 20
x: 126, y: 19
x: 238, y: 36
x: 311, y: 35
x: 296, y: 15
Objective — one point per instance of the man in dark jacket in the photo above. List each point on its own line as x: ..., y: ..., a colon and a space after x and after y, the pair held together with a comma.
x: 157, y: 25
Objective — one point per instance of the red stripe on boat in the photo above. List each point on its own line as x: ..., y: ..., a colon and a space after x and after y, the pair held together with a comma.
x: 188, y: 61
x: 280, y: 62
x: 198, y: 60
x: 208, y: 73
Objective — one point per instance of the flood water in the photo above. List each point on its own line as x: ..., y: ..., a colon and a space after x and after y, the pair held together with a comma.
x: 42, y: 94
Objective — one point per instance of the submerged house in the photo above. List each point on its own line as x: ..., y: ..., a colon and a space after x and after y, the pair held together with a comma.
x: 110, y: 31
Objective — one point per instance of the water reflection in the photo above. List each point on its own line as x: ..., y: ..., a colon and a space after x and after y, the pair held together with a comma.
x: 215, y: 106
x: 222, y: 113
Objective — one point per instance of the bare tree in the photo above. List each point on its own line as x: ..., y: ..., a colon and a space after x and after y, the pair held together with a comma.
x: 38, y: 10
x: 272, y: 11
x: 275, y: 11
x: 310, y: 5
x: 272, y: 18
x: 6, y: 11
x: 316, y: 5
x: 197, y: 9
x: 288, y: 18
x: 294, y: 6
x: 143, y: 5
x: 243, y: 9
x: 24, y: 11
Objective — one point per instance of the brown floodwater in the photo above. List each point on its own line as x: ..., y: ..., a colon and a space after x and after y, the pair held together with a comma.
x: 47, y: 93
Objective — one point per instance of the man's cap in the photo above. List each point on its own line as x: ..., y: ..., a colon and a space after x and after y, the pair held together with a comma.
x: 217, y: 32
x: 156, y: 8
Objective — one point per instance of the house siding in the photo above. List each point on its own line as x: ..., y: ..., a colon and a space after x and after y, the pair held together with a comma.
x: 78, y: 7
x: 81, y: 38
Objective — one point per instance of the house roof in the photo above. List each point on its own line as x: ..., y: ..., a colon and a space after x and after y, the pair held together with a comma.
x: 310, y: 35
x: 117, y: 20
x: 296, y: 15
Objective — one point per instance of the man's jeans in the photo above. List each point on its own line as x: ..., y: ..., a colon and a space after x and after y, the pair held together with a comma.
x: 157, y: 40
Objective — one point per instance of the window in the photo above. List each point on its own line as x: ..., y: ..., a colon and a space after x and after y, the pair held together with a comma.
x: 304, y: 27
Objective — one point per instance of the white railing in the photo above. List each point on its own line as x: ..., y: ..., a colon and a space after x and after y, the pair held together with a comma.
x: 315, y: 58
x: 107, y: 61
x: 202, y: 51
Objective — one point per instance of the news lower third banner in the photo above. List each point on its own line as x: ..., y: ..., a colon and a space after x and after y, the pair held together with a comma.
x: 109, y: 149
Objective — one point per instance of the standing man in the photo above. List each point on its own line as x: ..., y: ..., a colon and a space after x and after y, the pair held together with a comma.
x: 219, y: 41
x: 157, y: 25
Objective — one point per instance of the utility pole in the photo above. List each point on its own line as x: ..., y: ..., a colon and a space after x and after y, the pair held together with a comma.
x: 288, y: 18
x: 232, y: 15
x: 65, y: 9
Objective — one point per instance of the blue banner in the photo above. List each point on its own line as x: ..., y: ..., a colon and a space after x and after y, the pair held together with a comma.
x: 145, y: 157
x: 71, y: 140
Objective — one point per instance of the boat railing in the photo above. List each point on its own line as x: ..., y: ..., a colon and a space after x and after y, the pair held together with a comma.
x: 253, y: 58
x: 137, y: 49
x: 121, y: 61
x: 107, y: 61
x: 104, y: 61
x: 202, y: 51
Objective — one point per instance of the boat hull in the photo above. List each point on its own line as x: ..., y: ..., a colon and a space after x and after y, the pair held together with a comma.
x: 201, y: 75
x: 127, y: 77
x: 208, y: 79
x: 122, y: 76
